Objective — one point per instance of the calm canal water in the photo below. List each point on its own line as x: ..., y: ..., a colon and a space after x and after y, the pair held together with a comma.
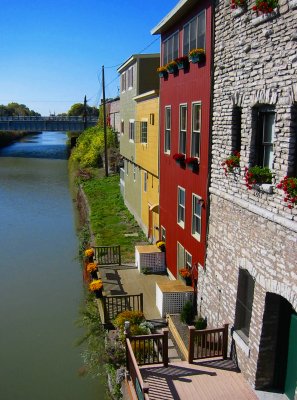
x: 41, y: 284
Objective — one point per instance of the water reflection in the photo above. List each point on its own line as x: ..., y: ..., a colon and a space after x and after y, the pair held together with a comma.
x: 50, y: 145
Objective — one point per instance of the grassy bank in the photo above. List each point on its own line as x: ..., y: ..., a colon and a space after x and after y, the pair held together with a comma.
x: 110, y: 219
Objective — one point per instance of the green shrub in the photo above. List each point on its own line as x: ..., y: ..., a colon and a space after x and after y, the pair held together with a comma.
x: 134, y: 317
x: 188, y: 313
x: 201, y: 323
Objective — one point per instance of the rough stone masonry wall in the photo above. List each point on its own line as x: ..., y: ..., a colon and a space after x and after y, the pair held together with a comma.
x: 255, y: 63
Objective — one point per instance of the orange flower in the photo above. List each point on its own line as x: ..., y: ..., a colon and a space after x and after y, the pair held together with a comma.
x: 91, y: 267
x: 95, y: 285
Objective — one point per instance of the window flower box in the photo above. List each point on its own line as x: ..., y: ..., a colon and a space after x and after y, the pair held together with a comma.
x: 255, y: 176
x: 163, y: 73
x: 179, y: 158
x: 265, y: 6
x: 171, y: 67
x: 196, y: 56
x: 238, y: 4
x: 192, y: 163
x: 231, y: 163
x: 289, y: 186
x: 186, y: 274
x: 182, y: 62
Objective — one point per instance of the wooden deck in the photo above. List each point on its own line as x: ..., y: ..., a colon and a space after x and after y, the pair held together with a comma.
x: 214, y: 379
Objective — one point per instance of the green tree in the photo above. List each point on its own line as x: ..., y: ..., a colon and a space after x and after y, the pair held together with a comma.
x: 78, y: 109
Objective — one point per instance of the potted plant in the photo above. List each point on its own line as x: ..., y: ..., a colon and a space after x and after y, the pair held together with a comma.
x: 201, y: 323
x: 265, y: 6
x: 163, y: 73
x: 188, y: 313
x: 89, y: 254
x: 196, y: 55
x: 257, y: 174
x: 192, y: 163
x: 161, y: 245
x: 96, y: 287
x: 237, y: 4
x: 186, y: 274
x: 182, y: 62
x: 171, y: 67
x: 231, y: 163
x: 179, y: 158
x: 92, y: 270
x: 289, y: 186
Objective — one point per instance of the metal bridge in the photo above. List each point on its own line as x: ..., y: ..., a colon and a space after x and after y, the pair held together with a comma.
x: 51, y: 123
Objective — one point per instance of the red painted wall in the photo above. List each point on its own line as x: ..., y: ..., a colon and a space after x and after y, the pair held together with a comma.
x: 186, y: 87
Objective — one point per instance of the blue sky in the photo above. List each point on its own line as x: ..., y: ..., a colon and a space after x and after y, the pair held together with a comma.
x: 51, y: 52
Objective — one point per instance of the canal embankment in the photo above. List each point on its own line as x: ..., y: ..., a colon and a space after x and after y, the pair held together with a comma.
x: 7, y: 138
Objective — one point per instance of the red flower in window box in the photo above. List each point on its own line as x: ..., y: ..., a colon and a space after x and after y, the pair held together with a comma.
x: 192, y: 162
x: 231, y: 162
x: 265, y: 6
x: 179, y: 157
x: 289, y: 186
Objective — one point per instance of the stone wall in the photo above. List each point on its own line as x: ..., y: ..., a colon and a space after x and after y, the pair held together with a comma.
x: 255, y: 64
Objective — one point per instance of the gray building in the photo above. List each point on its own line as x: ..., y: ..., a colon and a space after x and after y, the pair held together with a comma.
x: 137, y: 76
x: 250, y: 275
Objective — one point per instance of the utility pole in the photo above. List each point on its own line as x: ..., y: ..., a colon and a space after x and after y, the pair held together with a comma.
x: 104, y: 124
x: 85, y: 113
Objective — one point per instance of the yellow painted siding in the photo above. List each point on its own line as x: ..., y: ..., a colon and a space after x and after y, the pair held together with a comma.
x: 146, y: 155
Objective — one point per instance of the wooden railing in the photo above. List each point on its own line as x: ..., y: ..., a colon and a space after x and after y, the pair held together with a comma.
x: 141, y: 388
x: 114, y: 305
x: 108, y: 255
x: 207, y: 343
x: 150, y: 349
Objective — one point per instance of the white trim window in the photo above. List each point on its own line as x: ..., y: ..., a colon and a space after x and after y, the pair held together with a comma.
x: 196, y: 126
x: 196, y: 216
x: 194, y: 33
x: 130, y: 74
x: 132, y: 130
x: 181, y: 206
x: 134, y: 173
x: 123, y: 82
x: 188, y: 260
x: 170, y: 48
x: 127, y: 167
x: 265, y: 137
x: 145, y: 181
x: 167, y: 136
x: 180, y: 256
x: 143, y: 132
x: 183, y: 108
x: 163, y: 233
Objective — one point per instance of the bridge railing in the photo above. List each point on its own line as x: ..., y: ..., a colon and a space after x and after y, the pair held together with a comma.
x: 49, y: 118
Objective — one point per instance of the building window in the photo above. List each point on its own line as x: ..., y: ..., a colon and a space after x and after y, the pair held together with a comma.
x: 123, y: 82
x: 196, y: 216
x: 143, y: 131
x: 181, y: 205
x: 163, y: 234
x: 145, y: 181
x: 188, y: 260
x: 130, y: 77
x: 180, y: 256
x: 195, y: 135
x: 194, y: 34
x: 264, y: 137
x: 127, y: 167
x: 182, y: 128
x: 236, y: 129
x: 167, y: 141
x: 122, y: 127
x: 244, y: 303
x: 292, y: 162
x: 132, y: 130
x: 170, y: 48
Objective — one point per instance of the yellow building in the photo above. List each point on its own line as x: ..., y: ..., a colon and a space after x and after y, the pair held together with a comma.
x: 147, y: 159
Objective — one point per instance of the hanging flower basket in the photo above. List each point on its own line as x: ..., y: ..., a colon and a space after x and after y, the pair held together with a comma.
x: 196, y: 55
x: 186, y: 274
x: 182, y: 62
x: 89, y: 254
x: 179, y: 158
x: 171, y: 67
x: 257, y: 174
x: 289, y: 186
x: 192, y: 163
x: 96, y: 287
x: 161, y: 245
